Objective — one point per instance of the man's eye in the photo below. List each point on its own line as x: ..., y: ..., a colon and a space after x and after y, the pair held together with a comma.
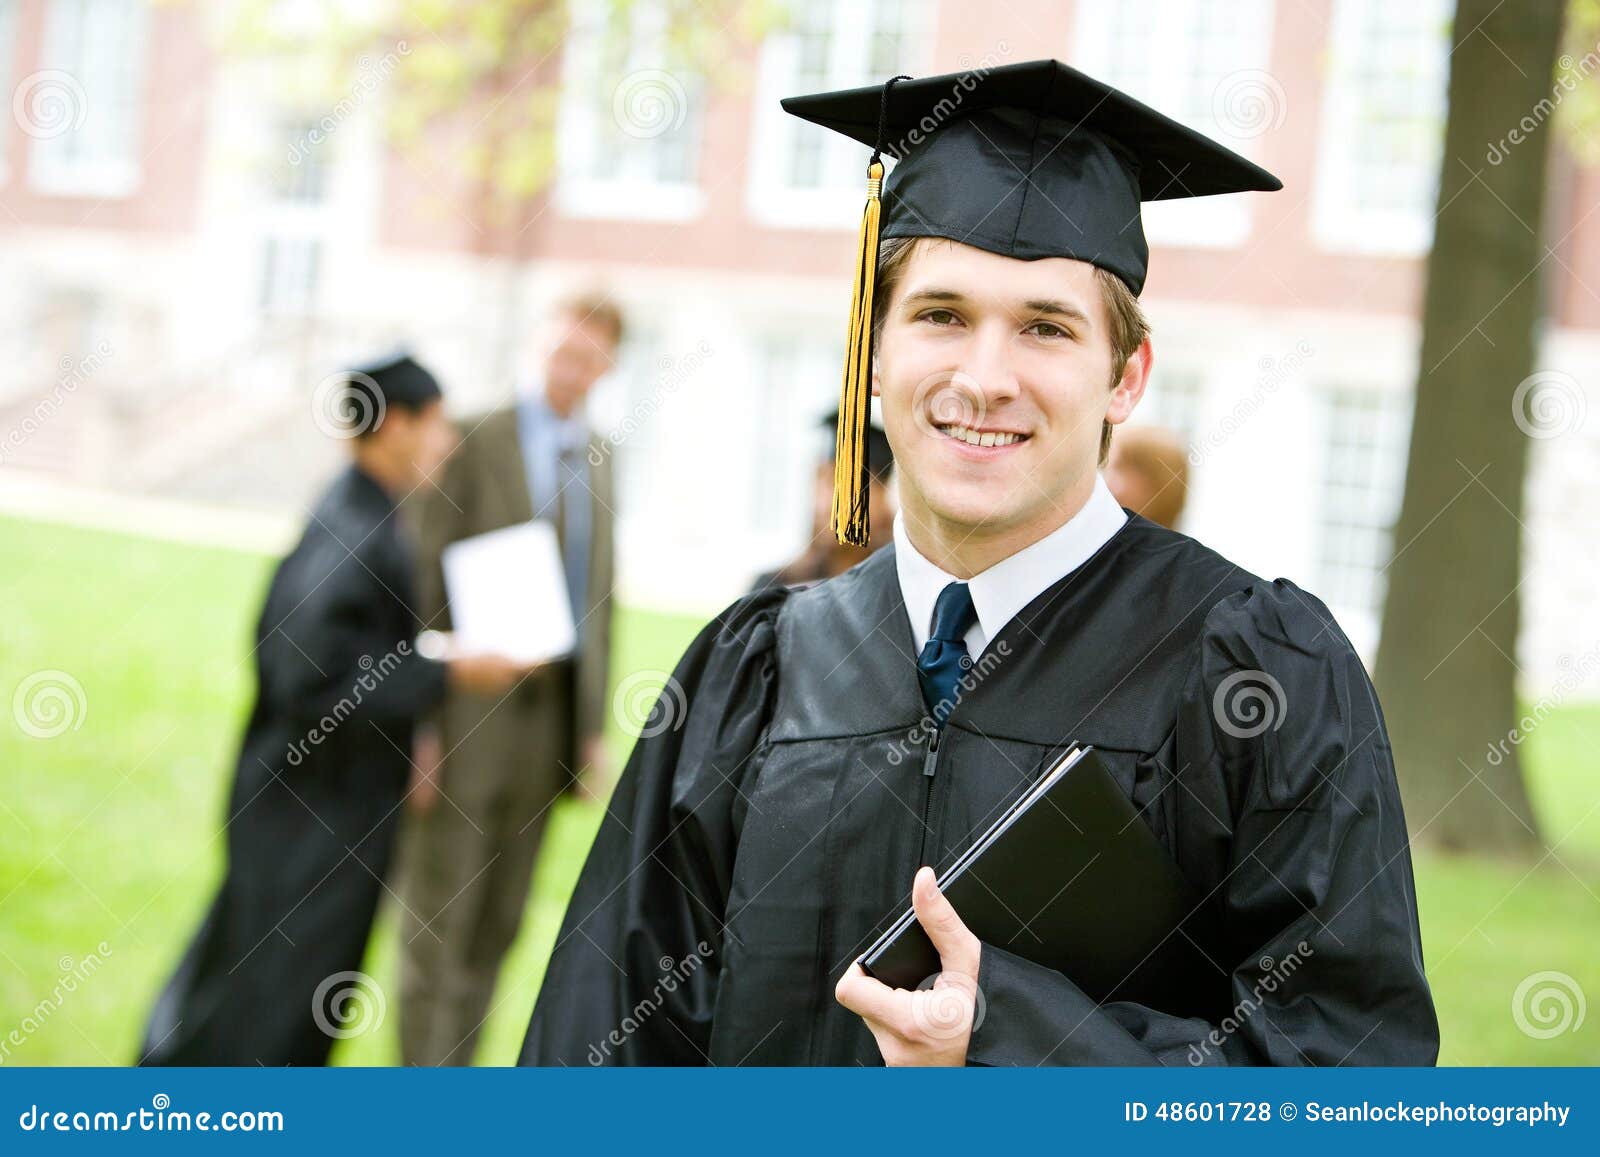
x: 1047, y: 329
x: 939, y: 317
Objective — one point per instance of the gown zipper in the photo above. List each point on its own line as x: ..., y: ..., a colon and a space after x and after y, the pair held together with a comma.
x: 930, y: 766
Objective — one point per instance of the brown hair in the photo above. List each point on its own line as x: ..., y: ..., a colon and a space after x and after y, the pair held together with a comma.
x: 597, y: 308
x: 1127, y: 324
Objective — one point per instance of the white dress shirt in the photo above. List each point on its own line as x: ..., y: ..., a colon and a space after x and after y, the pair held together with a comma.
x: 1012, y: 583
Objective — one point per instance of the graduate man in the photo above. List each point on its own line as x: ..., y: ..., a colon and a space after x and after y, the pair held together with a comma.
x: 828, y: 748
x: 326, y: 755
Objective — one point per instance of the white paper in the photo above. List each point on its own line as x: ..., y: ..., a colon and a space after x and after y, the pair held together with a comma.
x: 508, y: 594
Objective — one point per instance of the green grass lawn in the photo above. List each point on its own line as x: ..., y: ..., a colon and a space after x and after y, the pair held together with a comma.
x: 108, y: 831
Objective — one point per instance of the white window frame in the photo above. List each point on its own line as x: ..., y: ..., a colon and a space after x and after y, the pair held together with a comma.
x: 1168, y: 31
x: 1337, y: 224
x: 770, y: 200
x: 635, y: 194
x: 8, y: 59
x: 64, y: 50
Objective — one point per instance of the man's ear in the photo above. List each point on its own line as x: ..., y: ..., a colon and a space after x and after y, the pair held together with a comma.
x: 875, y: 392
x: 1130, y: 387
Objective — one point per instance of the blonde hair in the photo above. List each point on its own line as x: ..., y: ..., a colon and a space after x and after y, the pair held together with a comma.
x: 1127, y: 324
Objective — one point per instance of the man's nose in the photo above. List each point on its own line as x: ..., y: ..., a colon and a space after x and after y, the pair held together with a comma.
x: 986, y: 362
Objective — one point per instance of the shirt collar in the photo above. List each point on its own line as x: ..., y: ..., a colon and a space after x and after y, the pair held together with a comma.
x: 1012, y: 583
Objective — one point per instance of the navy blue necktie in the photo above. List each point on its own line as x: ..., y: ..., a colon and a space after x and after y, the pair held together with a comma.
x: 944, y: 660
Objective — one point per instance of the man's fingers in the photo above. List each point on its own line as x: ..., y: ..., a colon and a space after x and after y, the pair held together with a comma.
x: 866, y: 997
x: 958, y: 948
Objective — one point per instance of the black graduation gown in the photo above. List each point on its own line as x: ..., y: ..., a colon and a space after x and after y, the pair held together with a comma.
x: 771, y: 824
x: 316, y: 796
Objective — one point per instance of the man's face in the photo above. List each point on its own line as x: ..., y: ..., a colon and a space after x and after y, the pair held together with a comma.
x: 421, y: 438
x: 580, y: 353
x: 1017, y: 354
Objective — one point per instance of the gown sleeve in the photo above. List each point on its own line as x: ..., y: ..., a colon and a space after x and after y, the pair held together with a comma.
x: 329, y: 649
x: 633, y: 978
x: 1319, y: 914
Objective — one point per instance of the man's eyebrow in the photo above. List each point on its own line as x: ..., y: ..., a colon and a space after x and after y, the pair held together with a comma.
x: 935, y: 293
x: 1038, y: 307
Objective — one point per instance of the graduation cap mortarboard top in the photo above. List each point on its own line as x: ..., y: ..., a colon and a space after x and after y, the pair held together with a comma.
x: 370, y: 388
x: 1028, y: 160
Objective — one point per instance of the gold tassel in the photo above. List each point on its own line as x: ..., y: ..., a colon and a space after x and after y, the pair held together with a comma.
x: 850, y: 493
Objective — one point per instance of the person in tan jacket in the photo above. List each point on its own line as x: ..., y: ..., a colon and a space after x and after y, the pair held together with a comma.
x: 487, y: 778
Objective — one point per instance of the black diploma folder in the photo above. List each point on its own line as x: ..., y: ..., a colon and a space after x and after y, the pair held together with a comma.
x: 1068, y: 877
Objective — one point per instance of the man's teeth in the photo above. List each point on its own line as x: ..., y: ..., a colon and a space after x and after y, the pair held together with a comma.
x: 979, y: 438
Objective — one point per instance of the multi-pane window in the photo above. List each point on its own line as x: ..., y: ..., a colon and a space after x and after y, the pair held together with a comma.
x: 1383, y: 125
x: 630, y: 120
x: 84, y: 108
x: 1366, y: 433
x: 1172, y: 400
x: 1202, y: 62
x: 800, y: 173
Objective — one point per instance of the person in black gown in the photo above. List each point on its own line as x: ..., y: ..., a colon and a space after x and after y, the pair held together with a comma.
x: 824, y: 556
x: 271, y: 977
x: 818, y: 753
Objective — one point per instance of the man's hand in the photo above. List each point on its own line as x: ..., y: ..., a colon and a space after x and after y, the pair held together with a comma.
x: 486, y: 674
x: 595, y: 780
x: 426, y: 754
x: 931, y: 1026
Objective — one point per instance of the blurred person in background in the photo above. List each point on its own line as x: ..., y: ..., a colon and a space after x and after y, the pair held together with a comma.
x: 497, y: 763
x: 319, y: 784
x: 825, y: 556
x: 1148, y: 473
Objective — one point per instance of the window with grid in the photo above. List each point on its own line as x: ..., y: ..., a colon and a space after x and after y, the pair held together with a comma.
x: 91, y: 71
x: 800, y: 173
x: 631, y: 118
x: 1383, y: 126
x: 1173, y: 399
x: 1363, y: 476
x: 1202, y: 62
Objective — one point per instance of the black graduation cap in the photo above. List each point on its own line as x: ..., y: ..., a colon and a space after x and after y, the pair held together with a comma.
x: 880, y: 457
x: 1026, y: 160
x: 396, y: 379
x: 1029, y: 160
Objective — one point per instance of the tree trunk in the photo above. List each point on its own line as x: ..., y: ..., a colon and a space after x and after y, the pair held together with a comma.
x: 1446, y: 666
